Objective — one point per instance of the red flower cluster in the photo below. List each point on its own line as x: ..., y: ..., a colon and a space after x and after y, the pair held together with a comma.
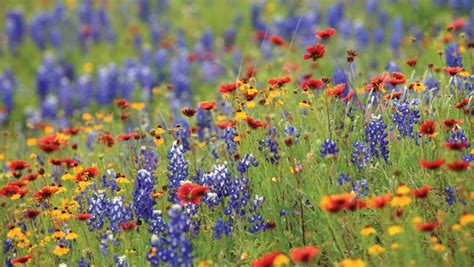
x: 87, y: 174
x: 191, y: 193
x: 315, y: 52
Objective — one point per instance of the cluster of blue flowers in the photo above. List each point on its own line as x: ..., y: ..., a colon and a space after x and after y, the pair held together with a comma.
x: 269, y: 146
x: 405, y: 116
x: 376, y: 137
x: 328, y: 147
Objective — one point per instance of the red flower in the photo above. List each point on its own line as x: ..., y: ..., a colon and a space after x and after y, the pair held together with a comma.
x: 84, y: 216
x: 397, y: 78
x: 31, y: 214
x: 324, y: 35
x: 428, y: 128
x: 227, y: 88
x: 224, y: 124
x: 22, y: 259
x: 351, y: 55
x: 266, y: 260
x: 376, y: 83
x: 67, y: 162
x: 208, y: 105
x: 458, y: 166
x: 451, y: 123
x: 44, y: 193
x: 87, y: 174
x: 315, y: 52
x: 452, y: 70
x: 346, y: 201
x: 17, y: 165
x: 304, y: 254
x: 456, y: 24
x: 427, y: 227
x: 190, y: 192
x: 336, y: 91
x: 128, y: 226
x: 189, y: 112
x: 255, y: 124
x: 432, y: 165
x: 348, y: 97
x: 411, y: 62
x: 277, y: 40
x: 380, y: 201
x: 456, y: 146
x: 71, y: 131
x: 394, y: 95
x: 279, y: 81
x: 462, y: 104
x: 121, y: 103
x: 250, y: 95
x: 422, y: 192
x: 49, y: 143
x: 312, y: 84
x: 31, y: 177
x: 10, y: 190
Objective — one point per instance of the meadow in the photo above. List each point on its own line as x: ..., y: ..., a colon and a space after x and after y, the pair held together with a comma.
x: 236, y: 133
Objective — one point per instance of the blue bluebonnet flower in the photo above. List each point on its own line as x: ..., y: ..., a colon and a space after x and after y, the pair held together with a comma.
x: 106, y: 238
x: 143, y: 9
x: 15, y: 29
x: 405, y: 117
x: 343, y: 178
x: 179, y: 73
x: 246, y: 162
x: 432, y: 88
x: 7, y: 245
x: 335, y: 14
x: 109, y: 181
x: 450, y: 197
x: 150, y: 159
x: 178, y: 170
x: 107, y: 83
x: 118, y: 212
x: 83, y: 262
x: 39, y: 26
x: 392, y: 66
x: 397, y: 34
x: 269, y: 146
x: 97, y: 206
x: 376, y: 137
x: 204, y: 121
x: 328, y: 147
x: 371, y: 6
x: 222, y: 228
x: 157, y: 223
x: 143, y: 201
x: 7, y: 87
x: 362, y: 36
x: 339, y: 76
x: 173, y: 247
x: 229, y: 139
x: 361, y: 188
x: 291, y: 130
x: 257, y: 21
x: 360, y: 154
x: 453, y: 57
x: 469, y: 157
x: 457, y: 135
x: 379, y: 35
x: 121, y: 261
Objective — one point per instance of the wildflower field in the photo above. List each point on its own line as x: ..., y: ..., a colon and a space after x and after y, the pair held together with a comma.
x: 236, y: 133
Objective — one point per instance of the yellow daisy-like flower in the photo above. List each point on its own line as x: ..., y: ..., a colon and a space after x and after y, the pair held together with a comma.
x: 417, y: 220
x: 71, y: 236
x: 138, y: 105
x: 242, y: 115
x: 400, y: 201
x: 59, y: 234
x: 351, y: 263
x: 156, y: 90
x: 31, y: 142
x: 67, y: 177
x: 395, y: 230
x: 376, y: 250
x: 14, y: 232
x: 33, y: 156
x: 60, y: 250
x: 107, y: 119
x: 250, y: 104
x: 466, y: 219
x: 403, y: 190
x: 48, y: 129
x: 123, y: 180
x: 438, y: 247
x: 281, y: 260
x: 86, y: 116
x: 418, y: 87
x: 88, y: 67
x: 244, y: 256
x: 368, y: 230
x: 304, y: 104
x: 456, y: 227
x: 395, y: 246
x: 2, y: 156
x: 205, y: 263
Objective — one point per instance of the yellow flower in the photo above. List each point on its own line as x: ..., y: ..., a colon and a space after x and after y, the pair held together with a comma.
x: 368, y: 230
x: 71, y: 236
x: 59, y: 234
x: 466, y: 219
x: 98, y: 126
x: 71, y: 4
x: 156, y: 90
x: 418, y: 87
x: 221, y: 117
x: 304, y: 104
x: 138, y: 105
x: 240, y: 116
x: 67, y: 177
x: 45, y: 241
x: 205, y: 263
x: 60, y: 250
x: 48, y: 129
x: 376, y: 249
x: 403, y: 190
x: 86, y: 116
x: 107, y: 119
x: 250, y: 104
x: 395, y: 246
x: 395, y: 230
x: 2, y: 156
x: 417, y: 220
x: 281, y: 260
x: 88, y: 67
x: 99, y: 115
x: 351, y: 263
x: 123, y: 180
x: 400, y: 201
x: 456, y: 227
x: 159, y: 141
x: 15, y: 232
x: 33, y: 156
x: 438, y: 247
x: 244, y: 256
x: 31, y: 142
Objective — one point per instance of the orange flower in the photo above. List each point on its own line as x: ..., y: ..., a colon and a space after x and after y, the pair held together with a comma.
x: 87, y: 174
x: 44, y: 193
x: 208, y: 105
x: 336, y: 91
x: 427, y: 227
x: 22, y: 259
x: 304, y: 254
x: 266, y: 260
x: 422, y: 192
x: 428, y: 128
x: 380, y: 201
